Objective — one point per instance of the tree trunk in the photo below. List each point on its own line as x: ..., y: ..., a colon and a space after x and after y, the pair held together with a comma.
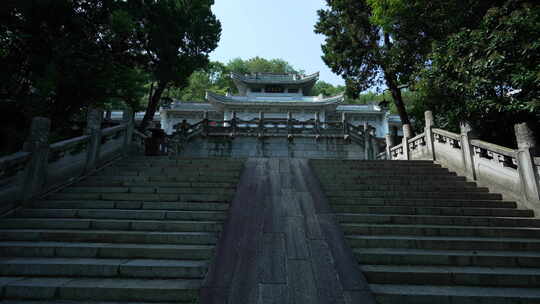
x: 398, y: 99
x: 152, y: 106
x: 391, y: 82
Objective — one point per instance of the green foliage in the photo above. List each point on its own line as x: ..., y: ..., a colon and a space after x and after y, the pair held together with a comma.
x: 217, y: 77
x: 327, y: 89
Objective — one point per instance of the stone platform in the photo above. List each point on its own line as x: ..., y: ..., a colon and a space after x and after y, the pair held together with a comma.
x: 242, y: 147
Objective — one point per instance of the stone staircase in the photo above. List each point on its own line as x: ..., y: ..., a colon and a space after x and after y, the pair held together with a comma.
x: 142, y: 230
x: 424, y: 235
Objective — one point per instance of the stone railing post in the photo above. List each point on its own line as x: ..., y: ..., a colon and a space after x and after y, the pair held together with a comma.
x: 205, y: 123
x: 127, y: 118
x: 367, y: 141
x: 467, y: 133
x: 374, y: 143
x: 345, y: 123
x: 261, y: 124
x: 317, y: 123
x: 35, y: 173
x: 289, y: 123
x: 389, y: 145
x: 428, y: 116
x: 93, y: 129
x: 233, y: 124
x: 407, y: 134
x: 525, y: 159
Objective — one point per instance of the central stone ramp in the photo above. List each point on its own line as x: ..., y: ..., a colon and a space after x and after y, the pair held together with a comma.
x: 142, y: 230
x: 281, y: 243
x: 424, y: 235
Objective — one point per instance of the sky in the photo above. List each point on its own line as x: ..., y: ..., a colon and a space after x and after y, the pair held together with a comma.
x: 272, y: 29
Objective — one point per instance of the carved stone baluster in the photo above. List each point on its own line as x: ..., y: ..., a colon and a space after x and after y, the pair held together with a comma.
x: 530, y: 182
x: 389, y: 145
x: 205, y: 123
x: 35, y: 174
x: 428, y: 116
x: 407, y: 134
x: 93, y: 129
x: 367, y: 141
x: 261, y: 124
x: 374, y: 143
x: 127, y: 117
x: 467, y: 134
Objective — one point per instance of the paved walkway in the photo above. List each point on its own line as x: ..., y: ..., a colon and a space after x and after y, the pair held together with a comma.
x: 281, y: 243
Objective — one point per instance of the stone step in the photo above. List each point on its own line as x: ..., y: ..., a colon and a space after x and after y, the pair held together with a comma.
x: 124, y: 214
x: 417, y: 294
x: 361, y: 190
x: 105, y: 250
x: 393, y: 180
x: 72, y: 302
x: 102, y: 289
x: 182, y: 161
x: 397, y: 173
x: 108, y: 236
x: 149, y: 190
x: 208, y: 166
x: 443, y: 243
x: 345, y: 170
x: 161, y: 178
x: 419, y: 188
x: 101, y: 224
x: 440, y: 230
x: 338, y: 162
x: 167, y: 172
x: 89, y: 267
x: 356, y: 207
x: 442, y: 211
x: 358, y: 195
x: 142, y: 197
x: 439, y: 220
x: 198, y: 185
x: 98, y: 204
x: 451, y: 276
x: 484, y: 258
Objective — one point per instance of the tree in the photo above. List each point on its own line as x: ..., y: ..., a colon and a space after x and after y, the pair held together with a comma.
x: 482, y: 64
x: 491, y: 73
x: 362, y: 52
x: 178, y: 36
x: 327, y: 89
x: 216, y: 77
x: 59, y: 57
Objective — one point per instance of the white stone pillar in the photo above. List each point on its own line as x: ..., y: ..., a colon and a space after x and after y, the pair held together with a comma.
x: 127, y: 118
x: 35, y: 173
x: 407, y: 134
x: 389, y: 145
x: 530, y: 181
x: 466, y: 134
x: 93, y: 129
x: 428, y: 116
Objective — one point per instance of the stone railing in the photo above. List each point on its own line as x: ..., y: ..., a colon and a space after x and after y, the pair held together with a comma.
x: 276, y: 127
x: 42, y: 167
x: 513, y: 172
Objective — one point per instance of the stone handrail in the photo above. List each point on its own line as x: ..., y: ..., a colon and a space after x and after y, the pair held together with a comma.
x: 512, y: 172
x: 493, y: 148
x: 445, y: 133
x: 10, y: 165
x: 42, y: 166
